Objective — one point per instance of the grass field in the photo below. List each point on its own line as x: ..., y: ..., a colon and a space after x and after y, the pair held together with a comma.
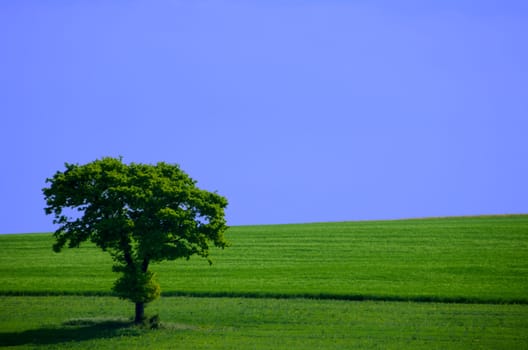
x: 429, y: 283
x: 247, y: 323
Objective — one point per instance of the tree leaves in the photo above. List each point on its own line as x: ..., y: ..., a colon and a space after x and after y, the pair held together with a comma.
x: 140, y: 213
x: 137, y: 286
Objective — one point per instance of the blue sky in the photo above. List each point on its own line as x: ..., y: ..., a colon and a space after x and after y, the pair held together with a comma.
x: 296, y: 110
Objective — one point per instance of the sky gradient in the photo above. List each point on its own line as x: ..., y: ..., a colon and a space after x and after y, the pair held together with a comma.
x: 296, y: 111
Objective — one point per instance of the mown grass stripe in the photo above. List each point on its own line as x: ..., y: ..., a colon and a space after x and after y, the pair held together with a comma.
x: 53, y: 293
x: 356, y: 297
x: 268, y: 295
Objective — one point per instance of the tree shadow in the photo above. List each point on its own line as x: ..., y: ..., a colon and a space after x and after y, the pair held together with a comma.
x: 74, y: 330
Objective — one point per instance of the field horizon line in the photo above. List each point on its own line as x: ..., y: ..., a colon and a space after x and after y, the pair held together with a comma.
x: 417, y: 218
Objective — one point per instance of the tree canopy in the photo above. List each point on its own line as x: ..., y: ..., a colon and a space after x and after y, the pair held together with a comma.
x: 139, y: 213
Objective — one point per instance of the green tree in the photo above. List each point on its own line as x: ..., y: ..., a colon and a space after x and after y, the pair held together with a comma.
x: 139, y: 213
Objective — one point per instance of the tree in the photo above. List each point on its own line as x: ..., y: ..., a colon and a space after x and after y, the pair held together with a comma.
x: 139, y: 213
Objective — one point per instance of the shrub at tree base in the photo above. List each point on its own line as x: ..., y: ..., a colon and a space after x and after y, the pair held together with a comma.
x: 139, y: 213
x: 137, y: 286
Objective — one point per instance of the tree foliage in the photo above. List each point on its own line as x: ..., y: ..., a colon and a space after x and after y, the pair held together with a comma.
x: 139, y: 213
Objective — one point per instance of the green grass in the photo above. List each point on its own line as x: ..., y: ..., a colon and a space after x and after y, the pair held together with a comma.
x: 244, y: 323
x: 483, y: 259
x: 460, y: 283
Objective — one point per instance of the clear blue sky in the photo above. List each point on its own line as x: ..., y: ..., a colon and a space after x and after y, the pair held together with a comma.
x: 295, y: 110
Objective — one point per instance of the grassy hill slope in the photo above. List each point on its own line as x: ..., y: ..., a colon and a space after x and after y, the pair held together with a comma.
x: 465, y: 259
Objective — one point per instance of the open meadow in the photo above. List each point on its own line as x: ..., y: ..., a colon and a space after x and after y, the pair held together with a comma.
x: 446, y: 283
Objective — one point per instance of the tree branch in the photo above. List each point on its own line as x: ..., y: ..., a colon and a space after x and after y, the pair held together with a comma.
x: 144, y: 265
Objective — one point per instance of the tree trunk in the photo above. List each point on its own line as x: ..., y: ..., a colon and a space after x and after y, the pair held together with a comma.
x: 140, y: 313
